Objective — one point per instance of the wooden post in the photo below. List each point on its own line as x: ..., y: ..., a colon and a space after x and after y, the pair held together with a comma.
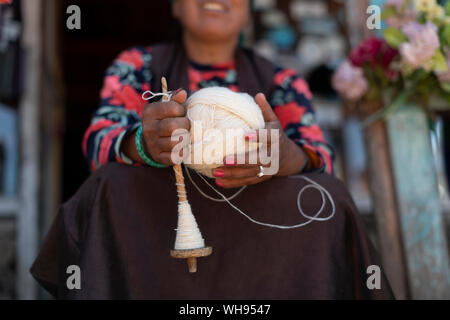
x: 385, y: 206
x: 422, y: 222
x: 52, y: 115
x: 356, y: 20
x: 27, y: 219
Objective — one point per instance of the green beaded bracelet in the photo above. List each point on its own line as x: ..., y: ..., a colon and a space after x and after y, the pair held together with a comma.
x: 142, y: 154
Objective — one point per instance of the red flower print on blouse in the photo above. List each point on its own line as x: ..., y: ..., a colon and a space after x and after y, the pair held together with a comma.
x: 130, y: 98
x: 133, y: 57
x: 289, y: 113
x: 145, y: 87
x: 234, y: 88
x: 111, y: 84
x: 208, y: 75
x: 106, y: 144
x: 282, y: 75
x: 93, y: 128
x: 313, y: 133
x: 302, y: 87
x: 195, y: 77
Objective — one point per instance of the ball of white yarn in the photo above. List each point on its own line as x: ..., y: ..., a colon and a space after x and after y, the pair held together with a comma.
x: 220, y: 119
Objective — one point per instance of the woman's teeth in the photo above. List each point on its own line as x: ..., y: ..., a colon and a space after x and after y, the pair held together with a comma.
x: 214, y: 6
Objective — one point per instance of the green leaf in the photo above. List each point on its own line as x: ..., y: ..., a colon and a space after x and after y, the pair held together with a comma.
x: 445, y: 86
x: 439, y: 62
x: 422, y: 18
x: 388, y: 11
x: 445, y: 35
x: 394, y: 37
x: 447, y: 8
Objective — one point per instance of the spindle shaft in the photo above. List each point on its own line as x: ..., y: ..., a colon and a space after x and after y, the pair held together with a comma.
x: 190, y: 254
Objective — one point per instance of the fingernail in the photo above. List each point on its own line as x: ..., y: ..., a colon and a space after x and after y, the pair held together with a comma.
x: 219, y: 173
x: 178, y: 90
x: 230, y: 161
x: 220, y: 184
x: 250, y: 136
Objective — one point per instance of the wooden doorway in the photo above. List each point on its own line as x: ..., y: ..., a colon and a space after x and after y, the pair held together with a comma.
x: 107, y: 27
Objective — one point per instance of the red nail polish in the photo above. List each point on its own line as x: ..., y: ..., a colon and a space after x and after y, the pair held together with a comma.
x: 220, y: 184
x: 219, y: 173
x: 250, y: 136
x: 230, y: 161
x: 178, y: 90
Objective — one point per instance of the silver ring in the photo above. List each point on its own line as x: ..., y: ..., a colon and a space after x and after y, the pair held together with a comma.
x: 261, y: 172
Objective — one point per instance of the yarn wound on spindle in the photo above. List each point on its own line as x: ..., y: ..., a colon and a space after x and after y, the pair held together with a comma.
x: 220, y: 118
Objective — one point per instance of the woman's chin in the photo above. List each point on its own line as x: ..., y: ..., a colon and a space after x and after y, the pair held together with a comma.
x: 215, y: 34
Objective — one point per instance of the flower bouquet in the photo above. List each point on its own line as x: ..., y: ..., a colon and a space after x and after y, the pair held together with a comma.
x: 409, y: 62
x: 399, y: 73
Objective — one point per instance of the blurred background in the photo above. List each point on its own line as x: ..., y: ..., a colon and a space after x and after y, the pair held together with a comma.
x: 50, y: 78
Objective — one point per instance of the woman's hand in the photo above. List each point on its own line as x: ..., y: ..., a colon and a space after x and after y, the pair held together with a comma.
x: 159, y: 120
x: 291, y: 158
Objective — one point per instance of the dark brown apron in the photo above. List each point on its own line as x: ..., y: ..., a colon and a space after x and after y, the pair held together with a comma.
x: 119, y: 229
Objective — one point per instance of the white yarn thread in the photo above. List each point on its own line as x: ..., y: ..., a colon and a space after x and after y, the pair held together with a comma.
x: 312, y: 184
x: 208, y: 196
x: 167, y: 95
x: 220, y: 110
x: 188, y: 234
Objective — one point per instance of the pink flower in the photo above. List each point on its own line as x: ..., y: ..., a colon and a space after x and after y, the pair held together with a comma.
x: 349, y: 81
x: 422, y: 45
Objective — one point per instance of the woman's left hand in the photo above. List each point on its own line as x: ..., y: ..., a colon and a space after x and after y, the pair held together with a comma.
x: 291, y: 158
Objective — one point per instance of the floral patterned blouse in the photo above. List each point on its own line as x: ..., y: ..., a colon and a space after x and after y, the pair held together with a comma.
x: 129, y: 76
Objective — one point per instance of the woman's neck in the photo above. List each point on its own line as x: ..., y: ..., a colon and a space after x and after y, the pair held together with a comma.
x: 209, y: 52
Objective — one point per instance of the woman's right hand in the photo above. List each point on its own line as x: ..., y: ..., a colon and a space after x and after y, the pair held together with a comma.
x: 159, y: 120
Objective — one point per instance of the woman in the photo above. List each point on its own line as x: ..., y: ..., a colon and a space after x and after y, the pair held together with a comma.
x: 210, y: 39
x: 117, y: 228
